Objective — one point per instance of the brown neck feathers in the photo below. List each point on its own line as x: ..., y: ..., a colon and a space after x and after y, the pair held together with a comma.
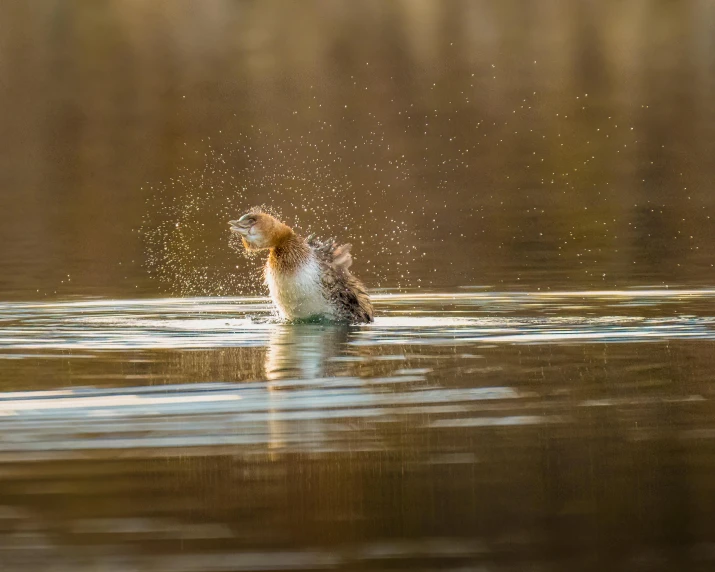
x: 290, y: 252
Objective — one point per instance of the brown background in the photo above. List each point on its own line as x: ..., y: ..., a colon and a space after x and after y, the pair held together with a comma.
x: 452, y: 142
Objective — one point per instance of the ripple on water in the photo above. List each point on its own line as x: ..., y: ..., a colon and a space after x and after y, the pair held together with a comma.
x: 316, y: 388
x: 293, y: 415
x: 435, y: 319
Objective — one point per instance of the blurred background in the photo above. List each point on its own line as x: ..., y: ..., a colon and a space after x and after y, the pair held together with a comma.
x: 552, y: 144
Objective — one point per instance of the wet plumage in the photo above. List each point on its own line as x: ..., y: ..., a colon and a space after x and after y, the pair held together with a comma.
x: 307, y: 278
x: 346, y: 294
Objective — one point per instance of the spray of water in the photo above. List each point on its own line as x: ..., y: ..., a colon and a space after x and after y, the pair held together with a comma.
x: 311, y: 182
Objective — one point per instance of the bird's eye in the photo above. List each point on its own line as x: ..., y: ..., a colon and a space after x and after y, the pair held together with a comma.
x: 247, y: 219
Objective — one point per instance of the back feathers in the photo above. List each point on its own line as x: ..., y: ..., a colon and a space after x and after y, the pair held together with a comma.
x: 329, y: 252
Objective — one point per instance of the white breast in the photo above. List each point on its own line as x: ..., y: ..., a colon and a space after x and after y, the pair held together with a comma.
x: 298, y: 294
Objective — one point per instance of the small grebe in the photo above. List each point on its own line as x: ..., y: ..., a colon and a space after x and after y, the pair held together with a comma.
x: 306, y: 278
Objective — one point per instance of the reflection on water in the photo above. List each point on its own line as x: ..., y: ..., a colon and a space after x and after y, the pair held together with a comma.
x: 460, y: 430
x: 303, y: 350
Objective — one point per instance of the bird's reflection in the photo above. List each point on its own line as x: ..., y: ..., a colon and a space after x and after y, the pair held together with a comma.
x: 304, y: 351
x: 299, y: 351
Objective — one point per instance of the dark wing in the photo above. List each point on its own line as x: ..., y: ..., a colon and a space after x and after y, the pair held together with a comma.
x: 344, y: 290
x: 331, y: 253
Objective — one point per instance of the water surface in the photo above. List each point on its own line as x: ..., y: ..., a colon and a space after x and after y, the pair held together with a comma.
x: 503, y: 429
x: 155, y: 416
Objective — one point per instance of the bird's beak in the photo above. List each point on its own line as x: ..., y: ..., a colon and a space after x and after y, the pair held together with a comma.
x: 242, y: 225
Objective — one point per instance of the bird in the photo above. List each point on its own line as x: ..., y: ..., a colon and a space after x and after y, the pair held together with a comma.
x: 307, y: 278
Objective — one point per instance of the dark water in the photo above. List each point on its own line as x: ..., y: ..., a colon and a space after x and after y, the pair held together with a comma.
x: 482, y: 430
x: 528, y: 189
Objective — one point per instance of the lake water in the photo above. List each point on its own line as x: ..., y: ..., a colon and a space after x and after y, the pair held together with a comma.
x: 501, y: 430
x: 528, y: 188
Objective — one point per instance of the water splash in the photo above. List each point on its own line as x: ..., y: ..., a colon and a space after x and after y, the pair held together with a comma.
x: 188, y: 246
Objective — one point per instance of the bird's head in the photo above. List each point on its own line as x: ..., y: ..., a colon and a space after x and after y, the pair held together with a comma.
x: 260, y: 230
